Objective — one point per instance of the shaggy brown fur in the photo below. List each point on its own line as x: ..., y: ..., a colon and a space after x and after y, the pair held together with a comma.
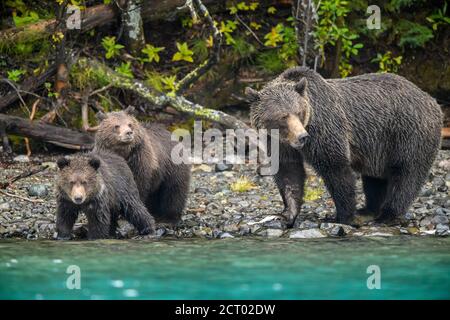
x: 379, y: 125
x: 102, y: 186
x: 163, y: 185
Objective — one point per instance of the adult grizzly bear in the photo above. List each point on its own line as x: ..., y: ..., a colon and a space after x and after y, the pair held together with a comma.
x: 163, y: 185
x: 102, y: 186
x: 380, y: 125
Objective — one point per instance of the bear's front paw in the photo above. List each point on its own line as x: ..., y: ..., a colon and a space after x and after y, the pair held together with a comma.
x: 63, y: 236
x: 289, y: 217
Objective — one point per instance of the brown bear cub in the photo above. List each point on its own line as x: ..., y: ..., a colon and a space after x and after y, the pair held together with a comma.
x: 163, y: 185
x: 102, y: 186
x: 379, y: 125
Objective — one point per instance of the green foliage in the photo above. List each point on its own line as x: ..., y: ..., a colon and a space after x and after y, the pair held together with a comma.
x: 270, y: 62
x: 152, y: 53
x: 50, y: 92
x: 439, y: 17
x: 170, y: 83
x: 274, y: 36
x: 243, y: 6
x: 183, y: 53
x: 125, y: 69
x: 242, y: 184
x: 387, y: 62
x: 227, y: 28
x: 15, y: 75
x: 271, y: 10
x: 413, y: 34
x: 111, y: 47
x: 200, y: 49
x: 332, y: 27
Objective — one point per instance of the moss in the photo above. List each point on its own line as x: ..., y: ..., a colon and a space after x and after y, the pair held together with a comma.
x: 313, y: 194
x: 242, y: 184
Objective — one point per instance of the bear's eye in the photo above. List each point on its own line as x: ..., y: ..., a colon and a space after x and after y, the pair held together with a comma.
x: 130, y: 125
x: 116, y: 127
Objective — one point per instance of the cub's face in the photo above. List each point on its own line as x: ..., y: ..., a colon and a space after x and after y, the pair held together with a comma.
x: 78, y: 178
x: 283, y: 107
x: 117, y: 129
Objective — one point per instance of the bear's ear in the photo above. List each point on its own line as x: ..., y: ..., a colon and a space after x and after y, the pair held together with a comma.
x: 300, y: 87
x: 62, y: 162
x: 100, y: 116
x: 94, y: 162
x: 251, y: 94
x: 130, y: 110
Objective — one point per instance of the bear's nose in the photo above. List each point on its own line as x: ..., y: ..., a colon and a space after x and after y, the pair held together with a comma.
x: 129, y: 132
x: 78, y: 199
x: 303, y: 138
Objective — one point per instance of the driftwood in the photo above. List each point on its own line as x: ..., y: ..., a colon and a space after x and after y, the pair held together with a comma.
x: 25, y: 174
x: 56, y: 135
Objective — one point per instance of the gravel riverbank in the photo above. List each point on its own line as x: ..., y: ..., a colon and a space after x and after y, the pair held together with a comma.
x: 223, y: 203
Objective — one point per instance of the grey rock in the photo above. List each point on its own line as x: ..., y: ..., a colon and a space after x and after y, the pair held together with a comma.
x: 38, y: 190
x: 439, y: 219
x: 202, y: 190
x: 223, y: 167
x: 4, y: 206
x: 22, y: 158
x: 274, y: 224
x: 306, y: 234
x: 273, y: 233
x: 410, y: 215
x: 307, y: 224
x: 226, y: 235
x: 442, y: 230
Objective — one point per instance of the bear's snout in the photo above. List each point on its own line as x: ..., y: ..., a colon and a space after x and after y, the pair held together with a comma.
x: 302, y: 139
x: 78, y: 194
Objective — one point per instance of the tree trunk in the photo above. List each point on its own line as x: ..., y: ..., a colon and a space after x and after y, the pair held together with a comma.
x: 133, y: 30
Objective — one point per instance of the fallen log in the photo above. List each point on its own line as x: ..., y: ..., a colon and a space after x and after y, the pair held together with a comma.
x: 56, y: 135
x: 99, y: 15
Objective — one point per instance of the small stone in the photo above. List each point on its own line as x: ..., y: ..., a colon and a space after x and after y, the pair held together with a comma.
x: 274, y: 233
x: 202, y: 190
x: 274, y: 224
x: 306, y: 234
x: 426, y: 192
x: 442, y: 230
x: 226, y: 235
x: 307, y: 224
x: 439, y: 219
x: 410, y: 215
x: 37, y: 190
x: 202, y: 167
x: 223, y: 167
x: 50, y: 165
x: 244, y: 204
x: 444, y: 164
x: 22, y: 158
x: 413, y: 230
x: 4, y: 206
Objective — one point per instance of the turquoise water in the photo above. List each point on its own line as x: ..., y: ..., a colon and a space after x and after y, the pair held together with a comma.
x: 410, y: 268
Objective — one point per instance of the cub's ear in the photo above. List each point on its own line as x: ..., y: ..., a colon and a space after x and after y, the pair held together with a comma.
x: 100, y: 116
x: 62, y: 162
x: 251, y: 94
x: 130, y: 110
x: 94, y: 162
x: 300, y: 87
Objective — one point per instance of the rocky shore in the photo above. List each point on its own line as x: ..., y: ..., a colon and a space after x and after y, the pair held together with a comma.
x: 225, y: 202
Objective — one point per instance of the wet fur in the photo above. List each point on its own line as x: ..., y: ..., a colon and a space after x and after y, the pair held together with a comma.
x: 379, y: 125
x: 111, y: 192
x: 163, y: 185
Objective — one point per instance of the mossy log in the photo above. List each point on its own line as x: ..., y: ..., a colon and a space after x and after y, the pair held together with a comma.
x: 179, y: 103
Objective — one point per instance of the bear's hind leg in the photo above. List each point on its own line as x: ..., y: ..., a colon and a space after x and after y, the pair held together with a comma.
x: 290, y: 180
x: 340, y: 182
x: 375, y: 191
x: 172, y: 200
x: 403, y: 188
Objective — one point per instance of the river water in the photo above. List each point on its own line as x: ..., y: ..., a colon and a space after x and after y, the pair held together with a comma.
x: 402, y: 268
